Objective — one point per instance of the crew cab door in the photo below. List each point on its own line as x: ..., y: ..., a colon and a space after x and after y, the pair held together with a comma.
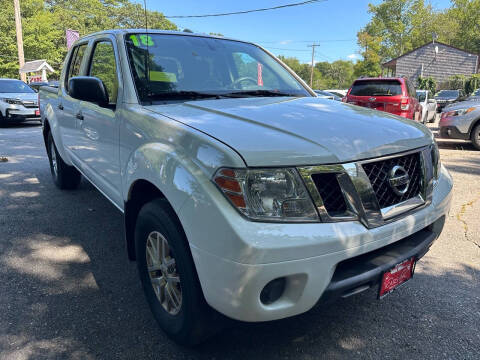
x: 97, y: 140
x: 68, y: 107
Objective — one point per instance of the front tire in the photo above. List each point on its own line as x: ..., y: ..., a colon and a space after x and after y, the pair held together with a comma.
x: 475, y: 136
x: 169, y: 278
x: 64, y: 176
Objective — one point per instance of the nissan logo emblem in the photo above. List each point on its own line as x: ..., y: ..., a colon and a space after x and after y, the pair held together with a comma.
x: 399, y: 180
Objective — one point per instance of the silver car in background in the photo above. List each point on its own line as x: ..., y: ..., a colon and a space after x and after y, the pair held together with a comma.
x: 18, y: 102
x: 462, y: 121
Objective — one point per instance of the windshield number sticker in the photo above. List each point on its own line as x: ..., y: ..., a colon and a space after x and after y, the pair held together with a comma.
x: 144, y: 40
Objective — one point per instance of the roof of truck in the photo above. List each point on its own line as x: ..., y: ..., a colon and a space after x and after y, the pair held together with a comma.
x: 154, y: 31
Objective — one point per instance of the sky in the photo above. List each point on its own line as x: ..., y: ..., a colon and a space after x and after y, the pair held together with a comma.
x: 332, y: 23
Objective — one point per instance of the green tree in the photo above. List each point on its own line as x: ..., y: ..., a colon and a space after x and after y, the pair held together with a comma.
x: 336, y: 75
x: 302, y: 70
x: 44, y: 24
x: 370, y: 64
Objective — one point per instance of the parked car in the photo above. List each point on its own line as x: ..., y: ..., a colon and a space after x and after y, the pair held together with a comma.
x: 36, y: 85
x: 461, y: 121
x: 326, y: 95
x: 393, y: 95
x: 429, y: 105
x: 18, y: 102
x: 447, y: 97
x: 475, y: 95
x: 338, y: 92
x: 243, y: 194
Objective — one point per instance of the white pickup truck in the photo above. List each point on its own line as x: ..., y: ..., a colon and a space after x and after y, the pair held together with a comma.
x: 243, y: 193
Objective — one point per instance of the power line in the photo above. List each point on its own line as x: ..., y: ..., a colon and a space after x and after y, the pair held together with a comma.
x: 275, y: 48
x: 245, y: 11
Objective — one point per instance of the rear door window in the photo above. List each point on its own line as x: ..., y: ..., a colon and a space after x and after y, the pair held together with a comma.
x: 376, y: 88
x: 75, y: 63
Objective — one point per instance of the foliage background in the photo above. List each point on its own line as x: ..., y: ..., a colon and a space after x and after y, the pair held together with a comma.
x: 44, y: 24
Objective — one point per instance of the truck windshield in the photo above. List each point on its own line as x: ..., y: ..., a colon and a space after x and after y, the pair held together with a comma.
x: 376, y: 88
x: 14, y: 86
x: 167, y: 66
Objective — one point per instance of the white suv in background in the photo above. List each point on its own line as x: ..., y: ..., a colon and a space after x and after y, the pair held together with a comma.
x: 18, y: 102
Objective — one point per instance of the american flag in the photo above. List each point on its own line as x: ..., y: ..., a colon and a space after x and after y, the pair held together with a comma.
x: 72, y: 36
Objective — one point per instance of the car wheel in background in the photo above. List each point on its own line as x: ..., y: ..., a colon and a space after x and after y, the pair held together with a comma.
x: 64, y: 176
x: 169, y: 278
x: 475, y: 136
x: 424, y: 118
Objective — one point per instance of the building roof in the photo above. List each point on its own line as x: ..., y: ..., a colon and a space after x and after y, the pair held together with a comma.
x: 36, y: 65
x: 392, y: 62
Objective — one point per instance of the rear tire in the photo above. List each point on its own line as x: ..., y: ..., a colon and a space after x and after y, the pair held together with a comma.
x: 178, y: 306
x: 64, y: 176
x: 475, y: 136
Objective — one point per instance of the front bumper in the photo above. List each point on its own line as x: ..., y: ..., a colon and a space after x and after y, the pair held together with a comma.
x: 452, y: 132
x: 234, y: 287
x: 20, y: 113
x: 365, y: 271
x: 456, y: 127
x: 442, y: 105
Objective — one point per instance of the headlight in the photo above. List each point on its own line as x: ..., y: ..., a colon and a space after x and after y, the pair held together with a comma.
x: 435, y: 153
x: 12, y: 101
x: 267, y: 194
x: 459, y: 112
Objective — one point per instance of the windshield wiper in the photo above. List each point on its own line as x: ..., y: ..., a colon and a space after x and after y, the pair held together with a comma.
x: 179, y: 95
x: 259, y: 93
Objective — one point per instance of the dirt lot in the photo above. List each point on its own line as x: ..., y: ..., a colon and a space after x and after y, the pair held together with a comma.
x: 67, y: 289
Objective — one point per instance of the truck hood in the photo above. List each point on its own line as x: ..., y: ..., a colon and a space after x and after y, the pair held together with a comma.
x: 285, y: 131
x: 20, y: 96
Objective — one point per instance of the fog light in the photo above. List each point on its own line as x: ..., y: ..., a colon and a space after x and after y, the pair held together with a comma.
x: 273, y: 291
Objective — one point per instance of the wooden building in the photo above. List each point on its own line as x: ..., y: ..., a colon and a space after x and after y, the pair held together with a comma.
x: 438, y: 60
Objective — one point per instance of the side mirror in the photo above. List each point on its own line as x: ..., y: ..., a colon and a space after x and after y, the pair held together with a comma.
x: 88, y: 88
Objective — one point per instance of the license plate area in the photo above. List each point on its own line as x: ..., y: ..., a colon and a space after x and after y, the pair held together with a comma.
x: 396, y: 276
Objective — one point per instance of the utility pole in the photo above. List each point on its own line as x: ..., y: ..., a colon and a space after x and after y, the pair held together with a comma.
x: 313, y: 60
x: 18, y: 27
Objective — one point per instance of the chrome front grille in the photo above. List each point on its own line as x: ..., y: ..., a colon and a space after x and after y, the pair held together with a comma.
x: 378, y: 174
x: 371, y: 191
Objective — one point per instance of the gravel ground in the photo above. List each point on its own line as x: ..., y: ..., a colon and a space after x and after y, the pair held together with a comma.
x: 67, y: 290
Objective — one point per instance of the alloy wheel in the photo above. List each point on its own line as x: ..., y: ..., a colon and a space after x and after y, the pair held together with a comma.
x: 163, y: 274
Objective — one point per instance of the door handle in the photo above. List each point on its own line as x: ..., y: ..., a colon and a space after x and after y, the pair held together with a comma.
x: 79, y: 116
x: 60, y: 106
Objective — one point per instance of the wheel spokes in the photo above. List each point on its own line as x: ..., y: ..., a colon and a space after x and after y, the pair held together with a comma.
x: 161, y: 266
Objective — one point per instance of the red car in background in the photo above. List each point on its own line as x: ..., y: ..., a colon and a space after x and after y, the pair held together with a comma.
x: 393, y: 95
